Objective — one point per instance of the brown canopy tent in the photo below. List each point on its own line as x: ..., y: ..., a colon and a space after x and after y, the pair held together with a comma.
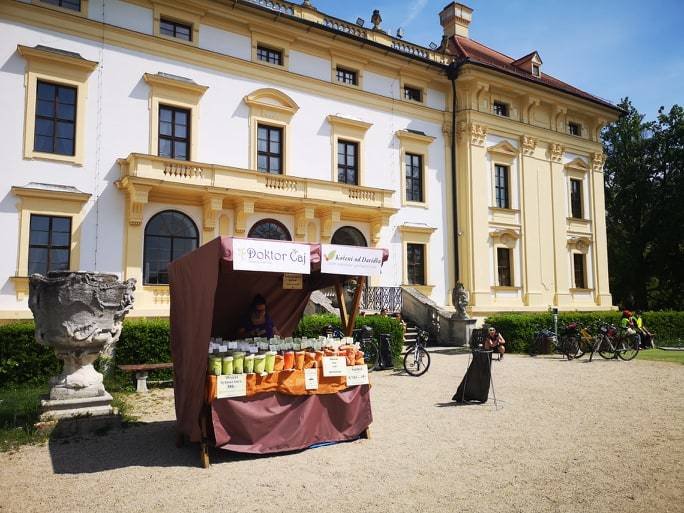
x: 207, y: 299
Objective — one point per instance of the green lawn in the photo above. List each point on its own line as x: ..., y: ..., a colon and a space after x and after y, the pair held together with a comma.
x: 661, y: 356
x: 19, y: 410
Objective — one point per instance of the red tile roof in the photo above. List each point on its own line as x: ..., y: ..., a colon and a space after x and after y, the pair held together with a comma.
x: 477, y: 53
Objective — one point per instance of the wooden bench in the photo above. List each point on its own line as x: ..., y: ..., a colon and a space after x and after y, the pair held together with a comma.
x: 141, y: 371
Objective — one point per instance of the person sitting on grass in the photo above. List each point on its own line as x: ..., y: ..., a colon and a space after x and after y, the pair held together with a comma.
x: 495, y: 342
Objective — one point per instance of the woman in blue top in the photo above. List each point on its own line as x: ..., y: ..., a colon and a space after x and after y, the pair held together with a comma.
x: 258, y: 323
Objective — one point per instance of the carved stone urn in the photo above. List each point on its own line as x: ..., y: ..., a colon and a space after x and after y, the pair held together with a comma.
x: 79, y: 315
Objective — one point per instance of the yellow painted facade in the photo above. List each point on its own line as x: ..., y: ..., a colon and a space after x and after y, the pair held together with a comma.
x: 532, y: 143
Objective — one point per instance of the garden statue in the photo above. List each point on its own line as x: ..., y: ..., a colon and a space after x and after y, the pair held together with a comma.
x: 79, y: 315
x: 460, y: 299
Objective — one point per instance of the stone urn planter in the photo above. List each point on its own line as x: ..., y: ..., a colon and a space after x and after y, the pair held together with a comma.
x: 79, y: 315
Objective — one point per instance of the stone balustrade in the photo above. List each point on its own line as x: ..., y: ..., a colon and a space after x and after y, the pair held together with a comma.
x: 159, y: 172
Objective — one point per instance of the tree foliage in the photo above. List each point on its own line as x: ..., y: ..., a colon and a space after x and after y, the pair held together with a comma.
x: 644, y: 176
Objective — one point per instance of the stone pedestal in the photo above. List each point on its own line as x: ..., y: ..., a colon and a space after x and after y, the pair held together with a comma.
x: 58, y: 409
x: 79, y: 315
x: 462, y: 329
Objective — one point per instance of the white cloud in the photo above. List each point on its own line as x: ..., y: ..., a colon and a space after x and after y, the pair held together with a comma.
x: 414, y: 11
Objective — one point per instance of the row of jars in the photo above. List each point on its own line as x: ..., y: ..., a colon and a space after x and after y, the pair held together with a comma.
x: 239, y: 362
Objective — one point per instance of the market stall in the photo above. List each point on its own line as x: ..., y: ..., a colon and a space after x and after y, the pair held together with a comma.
x: 294, y: 405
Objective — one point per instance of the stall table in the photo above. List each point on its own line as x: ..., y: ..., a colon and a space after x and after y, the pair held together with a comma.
x: 277, y: 414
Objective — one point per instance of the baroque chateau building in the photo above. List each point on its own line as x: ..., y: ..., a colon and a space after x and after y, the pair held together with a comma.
x: 136, y: 130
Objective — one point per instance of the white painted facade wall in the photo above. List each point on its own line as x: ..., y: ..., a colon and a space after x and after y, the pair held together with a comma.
x: 117, y: 124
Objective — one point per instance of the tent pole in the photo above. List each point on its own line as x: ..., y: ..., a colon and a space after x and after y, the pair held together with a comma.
x: 360, y: 284
x: 341, y: 302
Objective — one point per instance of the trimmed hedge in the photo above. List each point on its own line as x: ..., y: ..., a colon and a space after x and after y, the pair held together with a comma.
x: 22, y: 359
x: 313, y: 326
x: 519, y: 328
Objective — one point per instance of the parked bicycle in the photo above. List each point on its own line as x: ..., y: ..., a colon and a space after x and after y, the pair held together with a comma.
x: 586, y: 342
x: 568, y: 344
x: 610, y: 344
x: 417, y: 357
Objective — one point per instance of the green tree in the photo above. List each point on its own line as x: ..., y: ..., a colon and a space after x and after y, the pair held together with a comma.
x: 644, y: 197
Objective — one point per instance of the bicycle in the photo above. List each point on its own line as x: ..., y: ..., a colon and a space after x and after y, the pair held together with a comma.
x: 567, y: 344
x: 417, y: 358
x: 612, y: 345
x: 586, y: 342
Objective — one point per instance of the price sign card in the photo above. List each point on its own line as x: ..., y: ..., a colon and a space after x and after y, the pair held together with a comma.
x: 254, y: 349
x: 273, y: 347
x: 232, y: 385
x: 357, y: 375
x: 334, y: 366
x: 311, y: 379
x: 232, y: 345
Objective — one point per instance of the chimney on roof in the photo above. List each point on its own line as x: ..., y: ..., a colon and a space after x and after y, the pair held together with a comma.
x: 455, y: 19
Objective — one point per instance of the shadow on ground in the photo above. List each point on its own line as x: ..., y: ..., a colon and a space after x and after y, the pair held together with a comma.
x: 136, y: 445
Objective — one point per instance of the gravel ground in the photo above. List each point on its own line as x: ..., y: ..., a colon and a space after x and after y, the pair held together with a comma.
x: 567, y: 436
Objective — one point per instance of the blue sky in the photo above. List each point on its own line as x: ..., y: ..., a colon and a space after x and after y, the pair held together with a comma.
x: 610, y: 48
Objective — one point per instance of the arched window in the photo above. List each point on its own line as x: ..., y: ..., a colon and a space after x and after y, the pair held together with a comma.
x: 168, y: 235
x: 349, y: 236
x: 269, y: 229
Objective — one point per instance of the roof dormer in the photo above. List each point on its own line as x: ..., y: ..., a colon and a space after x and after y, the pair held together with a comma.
x: 531, y: 63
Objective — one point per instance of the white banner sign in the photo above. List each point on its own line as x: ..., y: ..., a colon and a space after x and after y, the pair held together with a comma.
x: 311, y: 379
x: 334, y: 366
x: 350, y: 260
x: 270, y: 256
x: 232, y: 385
x: 357, y: 375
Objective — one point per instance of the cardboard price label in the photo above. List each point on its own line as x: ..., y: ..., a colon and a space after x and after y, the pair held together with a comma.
x: 232, y: 385
x: 357, y: 375
x: 292, y: 281
x: 334, y: 366
x: 311, y: 379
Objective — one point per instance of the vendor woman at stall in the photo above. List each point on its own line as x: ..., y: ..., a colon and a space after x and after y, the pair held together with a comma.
x: 257, y: 323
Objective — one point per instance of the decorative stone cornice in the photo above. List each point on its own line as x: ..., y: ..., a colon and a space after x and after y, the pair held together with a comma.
x: 580, y: 243
x: 302, y: 217
x: 376, y: 225
x: 556, y: 152
x: 405, y: 135
x: 477, y: 133
x: 328, y: 218
x: 597, y: 161
x: 270, y: 99
x: 212, y: 204
x: 504, y: 148
x: 242, y: 210
x: 137, y: 196
x: 528, y: 144
x: 505, y: 236
x: 356, y: 124
x: 578, y: 164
